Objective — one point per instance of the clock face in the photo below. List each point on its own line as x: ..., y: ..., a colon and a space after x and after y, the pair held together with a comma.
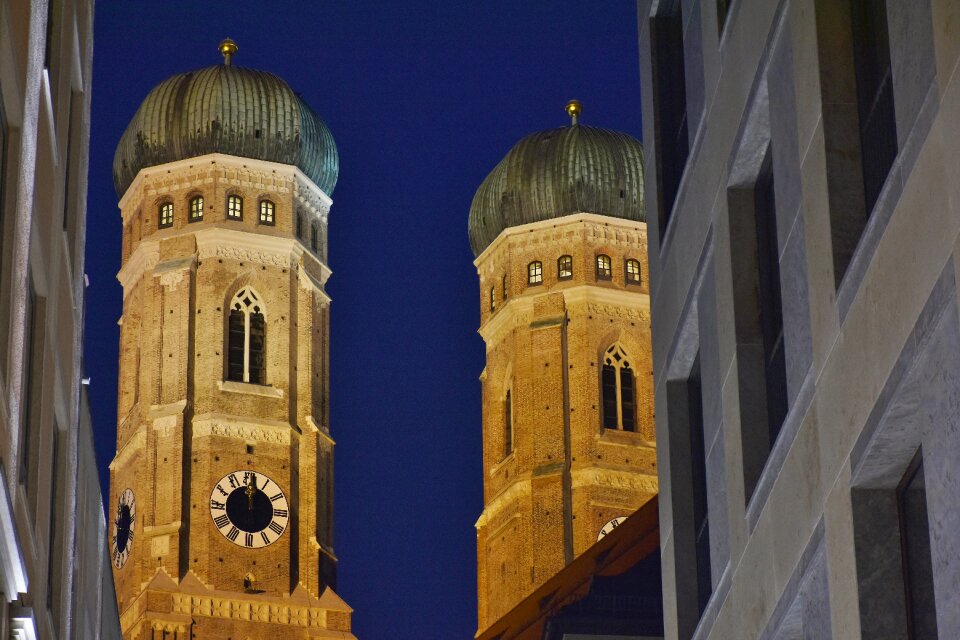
x: 249, y: 509
x: 123, y: 523
x: 610, y: 526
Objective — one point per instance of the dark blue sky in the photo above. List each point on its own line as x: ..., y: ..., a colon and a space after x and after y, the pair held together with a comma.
x: 423, y: 99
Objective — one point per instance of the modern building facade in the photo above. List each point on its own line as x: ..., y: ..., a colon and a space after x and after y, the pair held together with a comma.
x: 53, y: 573
x: 222, y: 484
x: 802, y: 164
x: 52, y: 554
x: 568, y: 442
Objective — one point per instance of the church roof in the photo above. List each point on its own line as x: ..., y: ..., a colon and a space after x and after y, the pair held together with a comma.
x: 226, y: 109
x: 553, y: 173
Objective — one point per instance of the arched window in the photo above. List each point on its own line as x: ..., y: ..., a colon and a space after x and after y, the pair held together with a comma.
x: 618, y: 391
x: 267, y: 210
x: 632, y: 269
x: 196, y: 209
x: 604, y: 271
x: 493, y: 299
x: 234, y: 207
x: 166, y: 215
x: 504, y: 290
x: 507, y: 425
x: 565, y: 267
x: 535, y: 273
x: 299, y: 223
x: 314, y: 237
x: 246, y: 339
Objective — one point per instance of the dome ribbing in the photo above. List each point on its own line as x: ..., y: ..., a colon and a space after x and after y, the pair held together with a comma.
x: 549, y: 174
x: 226, y: 109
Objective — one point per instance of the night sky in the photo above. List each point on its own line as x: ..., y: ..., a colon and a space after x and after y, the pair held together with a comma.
x: 423, y: 99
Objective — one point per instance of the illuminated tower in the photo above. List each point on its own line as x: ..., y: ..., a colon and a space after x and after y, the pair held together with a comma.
x: 558, y: 228
x: 222, y: 483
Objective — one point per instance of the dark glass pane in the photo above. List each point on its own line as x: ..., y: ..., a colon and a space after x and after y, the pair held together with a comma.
x: 917, y: 564
x: 609, y: 391
x: 670, y: 105
x: 299, y: 224
x: 878, y: 125
x: 627, y: 399
x: 701, y: 522
x: 235, y: 346
x: 257, y: 373
x: 771, y: 305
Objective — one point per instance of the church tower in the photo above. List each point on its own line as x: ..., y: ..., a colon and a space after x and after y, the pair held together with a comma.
x: 559, y: 232
x: 222, y: 484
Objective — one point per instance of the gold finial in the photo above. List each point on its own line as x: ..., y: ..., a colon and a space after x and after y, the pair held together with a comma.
x: 228, y: 47
x: 573, y: 109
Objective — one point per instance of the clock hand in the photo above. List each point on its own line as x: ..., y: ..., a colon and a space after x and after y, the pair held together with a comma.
x: 251, y: 490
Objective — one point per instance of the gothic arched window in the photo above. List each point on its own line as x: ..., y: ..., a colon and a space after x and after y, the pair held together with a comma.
x: 632, y: 268
x: 234, y: 207
x: 535, y: 273
x: 565, y: 267
x: 618, y: 391
x: 299, y: 223
x: 267, y: 212
x: 314, y: 238
x: 196, y: 209
x: 246, y: 339
x: 604, y: 270
x: 507, y: 425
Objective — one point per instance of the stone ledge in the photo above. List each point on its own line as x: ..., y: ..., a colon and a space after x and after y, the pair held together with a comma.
x: 232, y: 386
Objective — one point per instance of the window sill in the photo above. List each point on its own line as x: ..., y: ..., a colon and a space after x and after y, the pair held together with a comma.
x: 250, y: 389
x: 619, y: 436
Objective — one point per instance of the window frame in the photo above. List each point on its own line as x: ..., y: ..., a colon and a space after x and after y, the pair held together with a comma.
x: 493, y: 299
x: 508, y: 441
x: 267, y: 218
x: 560, y: 267
x: 626, y: 272
x: 619, y: 366
x: 602, y: 257
x: 534, y: 273
x: 249, y: 303
x: 195, y: 206
x: 504, y: 283
x: 231, y: 199
x: 163, y: 222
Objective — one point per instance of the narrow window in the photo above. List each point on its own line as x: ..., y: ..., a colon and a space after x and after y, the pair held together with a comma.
x: 314, y: 238
x: 246, y: 339
x: 493, y: 299
x: 878, y: 125
x: 670, y: 107
x: 504, y: 289
x: 604, y: 270
x: 196, y: 208
x: 267, y: 210
x: 166, y: 215
x: 565, y: 267
x: 688, y: 474
x: 632, y: 269
x: 507, y: 425
x: 617, y: 390
x: 535, y: 273
x: 32, y: 376
x: 299, y: 223
x: 234, y: 207
x: 53, y: 535
x: 759, y: 318
x: 915, y: 552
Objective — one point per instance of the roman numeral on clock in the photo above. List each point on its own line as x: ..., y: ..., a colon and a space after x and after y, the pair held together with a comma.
x: 232, y: 535
x: 276, y: 497
x: 221, y: 521
x: 277, y: 529
x: 279, y: 513
x: 216, y: 504
x: 263, y: 535
x: 248, y: 540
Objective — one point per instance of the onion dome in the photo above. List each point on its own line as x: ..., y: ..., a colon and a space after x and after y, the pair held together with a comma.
x: 231, y: 110
x: 558, y: 172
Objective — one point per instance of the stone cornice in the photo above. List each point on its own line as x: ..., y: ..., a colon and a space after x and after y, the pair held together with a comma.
x: 215, y: 424
x: 519, y: 488
x: 192, y: 170
x: 614, y: 478
x: 596, y: 228
x: 219, y: 242
x: 518, y: 311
